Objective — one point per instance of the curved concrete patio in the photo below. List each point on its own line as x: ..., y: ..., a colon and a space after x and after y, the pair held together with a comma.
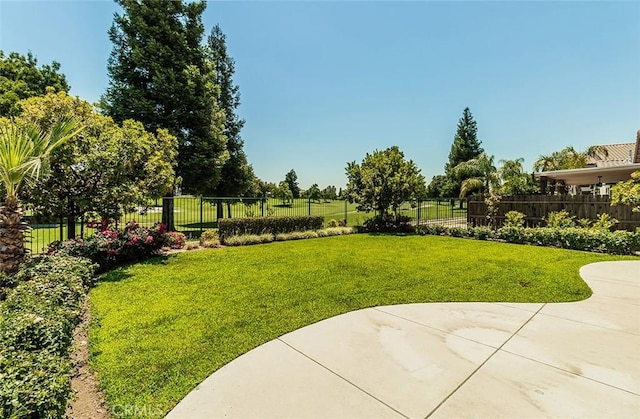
x: 444, y: 360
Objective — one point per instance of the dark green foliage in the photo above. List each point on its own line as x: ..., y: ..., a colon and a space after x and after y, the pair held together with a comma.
x: 160, y: 76
x: 465, y: 147
x: 291, y: 179
x: 33, y: 384
x: 591, y: 239
x: 261, y: 225
x: 389, y: 224
x: 36, y: 328
x: 237, y: 175
x: 384, y: 181
x: 111, y: 247
x: 21, y: 78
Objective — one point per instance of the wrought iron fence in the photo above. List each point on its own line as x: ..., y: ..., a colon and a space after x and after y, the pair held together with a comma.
x: 192, y: 215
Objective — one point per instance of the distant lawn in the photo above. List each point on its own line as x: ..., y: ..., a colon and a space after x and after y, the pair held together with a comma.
x: 163, y: 326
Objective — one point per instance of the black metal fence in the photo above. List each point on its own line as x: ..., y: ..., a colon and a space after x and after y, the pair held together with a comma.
x: 192, y: 215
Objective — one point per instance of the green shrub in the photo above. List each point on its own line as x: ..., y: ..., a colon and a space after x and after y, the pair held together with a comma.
x: 512, y: 234
x: 459, y: 232
x: 559, y: 219
x: 332, y: 223
x: 175, y: 240
x: 34, y: 384
x: 262, y: 225
x: 481, y: 232
x: 604, y: 222
x: 389, y: 224
x: 45, y: 265
x: 248, y: 239
x: 514, y: 219
x: 110, y: 247
x: 584, y: 223
x: 337, y: 231
x: 209, y: 238
x: 36, y: 328
x: 432, y: 230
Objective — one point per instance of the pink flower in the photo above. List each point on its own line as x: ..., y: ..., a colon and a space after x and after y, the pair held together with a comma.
x: 149, y: 239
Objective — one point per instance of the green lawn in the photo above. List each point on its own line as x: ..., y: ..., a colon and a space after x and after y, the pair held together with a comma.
x: 163, y: 326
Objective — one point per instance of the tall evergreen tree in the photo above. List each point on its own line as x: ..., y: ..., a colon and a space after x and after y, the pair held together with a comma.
x: 237, y: 175
x: 465, y: 147
x: 160, y: 76
x: 291, y: 179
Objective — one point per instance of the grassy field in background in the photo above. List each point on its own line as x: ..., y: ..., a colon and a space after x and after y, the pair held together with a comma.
x: 191, y: 216
x: 163, y: 326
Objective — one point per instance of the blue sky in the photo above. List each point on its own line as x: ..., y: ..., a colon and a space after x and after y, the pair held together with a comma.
x: 323, y: 83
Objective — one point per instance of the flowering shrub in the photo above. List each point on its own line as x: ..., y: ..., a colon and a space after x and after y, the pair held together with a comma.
x: 389, y: 224
x: 110, y: 247
x: 175, y: 240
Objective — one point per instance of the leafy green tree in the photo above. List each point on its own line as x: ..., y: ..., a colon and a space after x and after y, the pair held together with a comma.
x: 160, y: 76
x: 292, y: 180
x: 284, y: 193
x: 24, y: 155
x: 436, y: 188
x: 329, y: 193
x: 514, y: 180
x: 477, y: 174
x: 237, y: 175
x: 628, y: 192
x: 313, y: 193
x: 106, y: 170
x: 383, y: 181
x: 21, y: 78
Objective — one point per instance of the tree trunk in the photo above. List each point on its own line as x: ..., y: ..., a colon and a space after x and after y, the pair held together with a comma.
x: 219, y: 210
x: 12, y: 228
x: 167, y: 212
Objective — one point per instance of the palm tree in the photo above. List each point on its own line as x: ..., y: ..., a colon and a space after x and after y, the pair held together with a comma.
x: 478, y: 173
x: 24, y: 158
x: 568, y: 158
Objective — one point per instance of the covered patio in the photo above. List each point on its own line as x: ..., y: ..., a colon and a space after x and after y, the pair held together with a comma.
x: 587, y: 181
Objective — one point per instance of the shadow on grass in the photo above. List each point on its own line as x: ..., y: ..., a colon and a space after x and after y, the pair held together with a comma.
x: 120, y: 273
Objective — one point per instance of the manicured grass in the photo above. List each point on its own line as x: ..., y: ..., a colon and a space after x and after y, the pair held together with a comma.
x: 162, y: 327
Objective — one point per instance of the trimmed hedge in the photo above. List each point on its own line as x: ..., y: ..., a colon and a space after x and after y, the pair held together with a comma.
x: 229, y: 227
x: 592, y: 239
x: 36, y: 328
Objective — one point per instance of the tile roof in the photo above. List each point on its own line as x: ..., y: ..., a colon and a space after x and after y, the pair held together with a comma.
x: 618, y: 154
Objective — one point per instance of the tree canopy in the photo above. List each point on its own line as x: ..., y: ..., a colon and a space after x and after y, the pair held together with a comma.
x: 160, y: 76
x: 21, y: 78
x: 291, y: 179
x: 107, y: 169
x: 236, y: 174
x: 465, y: 147
x: 567, y: 158
x: 383, y: 181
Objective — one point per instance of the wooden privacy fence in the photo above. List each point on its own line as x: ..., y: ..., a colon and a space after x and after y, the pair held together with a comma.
x: 536, y: 207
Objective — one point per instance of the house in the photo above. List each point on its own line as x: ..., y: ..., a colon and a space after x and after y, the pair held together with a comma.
x: 603, y: 170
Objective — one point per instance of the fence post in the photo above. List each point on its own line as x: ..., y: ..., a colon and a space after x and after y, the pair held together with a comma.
x: 345, y: 212
x: 61, y: 227
x: 419, y: 205
x: 262, y: 205
x: 309, y: 206
x: 201, y: 219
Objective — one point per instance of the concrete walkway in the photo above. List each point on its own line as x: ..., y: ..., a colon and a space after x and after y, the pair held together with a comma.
x: 446, y: 360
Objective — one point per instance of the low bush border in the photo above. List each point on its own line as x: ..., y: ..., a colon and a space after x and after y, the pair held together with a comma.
x: 36, y: 327
x: 247, y: 239
x: 229, y: 227
x: 598, y: 240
